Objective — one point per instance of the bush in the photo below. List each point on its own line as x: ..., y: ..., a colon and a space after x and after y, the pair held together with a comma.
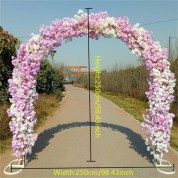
x: 49, y: 79
x: 130, y: 82
x: 58, y: 81
x: 59, y: 95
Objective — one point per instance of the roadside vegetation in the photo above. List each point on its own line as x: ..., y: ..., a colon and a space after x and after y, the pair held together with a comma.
x: 137, y: 108
x: 49, y: 87
x: 126, y: 88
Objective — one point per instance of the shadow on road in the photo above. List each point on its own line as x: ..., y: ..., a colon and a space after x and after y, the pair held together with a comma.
x: 135, y: 140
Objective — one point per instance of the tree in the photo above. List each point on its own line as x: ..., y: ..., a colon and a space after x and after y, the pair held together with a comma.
x: 58, y: 80
x: 45, y: 77
x: 8, y: 46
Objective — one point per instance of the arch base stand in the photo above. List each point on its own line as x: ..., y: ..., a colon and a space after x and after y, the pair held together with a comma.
x: 16, y: 166
x: 163, y: 164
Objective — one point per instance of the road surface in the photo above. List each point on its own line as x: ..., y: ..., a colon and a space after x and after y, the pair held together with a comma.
x: 64, y: 142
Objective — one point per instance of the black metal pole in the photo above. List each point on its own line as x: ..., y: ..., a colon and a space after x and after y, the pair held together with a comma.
x: 88, y: 9
x: 169, y: 48
x: 170, y: 37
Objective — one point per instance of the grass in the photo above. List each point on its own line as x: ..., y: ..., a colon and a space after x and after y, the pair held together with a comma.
x: 4, y: 120
x: 80, y: 85
x: 44, y: 107
x: 134, y: 107
x: 137, y: 108
x: 5, y: 133
x: 5, y: 145
x: 174, y: 136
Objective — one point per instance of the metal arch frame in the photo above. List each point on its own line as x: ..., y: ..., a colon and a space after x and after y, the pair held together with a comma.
x: 21, y: 163
x: 160, y: 164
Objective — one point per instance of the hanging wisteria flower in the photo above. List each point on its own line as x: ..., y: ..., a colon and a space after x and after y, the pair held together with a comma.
x: 161, y: 81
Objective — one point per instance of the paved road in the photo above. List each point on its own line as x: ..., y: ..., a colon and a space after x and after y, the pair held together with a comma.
x: 64, y: 142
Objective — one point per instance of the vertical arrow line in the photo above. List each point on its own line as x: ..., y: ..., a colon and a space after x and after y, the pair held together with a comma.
x: 88, y: 9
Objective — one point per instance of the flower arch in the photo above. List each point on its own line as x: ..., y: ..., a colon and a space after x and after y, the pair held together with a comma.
x: 161, y: 81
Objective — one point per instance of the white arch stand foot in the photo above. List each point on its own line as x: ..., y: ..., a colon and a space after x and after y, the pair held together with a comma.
x: 165, y: 164
x: 16, y: 166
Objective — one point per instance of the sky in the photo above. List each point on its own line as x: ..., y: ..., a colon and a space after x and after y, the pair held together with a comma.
x: 23, y: 17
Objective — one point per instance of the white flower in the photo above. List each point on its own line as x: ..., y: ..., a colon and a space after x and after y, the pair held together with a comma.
x: 143, y: 44
x: 139, y: 30
x: 170, y: 122
x: 80, y: 12
x: 65, y: 23
x: 157, y: 45
x: 20, y: 136
x: 19, y: 116
x: 108, y: 21
x: 148, y: 148
x: 36, y: 47
x: 156, y: 72
x: 36, y: 37
x: 75, y: 16
x: 17, y: 81
x: 156, y: 156
x: 136, y: 52
x: 23, y: 127
x: 139, y: 39
x: 137, y: 25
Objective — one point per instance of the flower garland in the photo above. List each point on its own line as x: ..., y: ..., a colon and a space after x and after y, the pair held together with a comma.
x: 161, y: 81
